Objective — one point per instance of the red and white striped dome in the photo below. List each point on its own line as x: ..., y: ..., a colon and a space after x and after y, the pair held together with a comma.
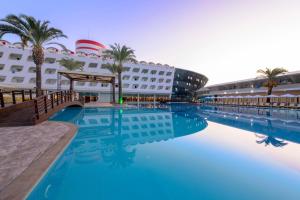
x: 89, y: 47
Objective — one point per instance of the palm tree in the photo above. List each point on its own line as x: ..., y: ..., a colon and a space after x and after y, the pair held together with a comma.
x: 271, y: 75
x: 113, y: 68
x: 71, y: 64
x: 37, y: 33
x: 120, y: 55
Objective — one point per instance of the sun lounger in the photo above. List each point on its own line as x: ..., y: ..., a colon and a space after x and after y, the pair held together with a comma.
x: 292, y: 105
x: 282, y: 105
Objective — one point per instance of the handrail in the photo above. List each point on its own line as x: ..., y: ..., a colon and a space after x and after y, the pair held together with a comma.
x: 44, y: 104
x: 8, y: 98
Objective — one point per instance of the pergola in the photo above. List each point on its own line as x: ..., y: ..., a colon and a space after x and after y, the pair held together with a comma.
x: 87, y: 77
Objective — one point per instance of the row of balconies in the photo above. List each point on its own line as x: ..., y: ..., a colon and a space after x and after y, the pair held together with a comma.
x: 54, y: 50
x: 32, y: 81
x: 49, y: 60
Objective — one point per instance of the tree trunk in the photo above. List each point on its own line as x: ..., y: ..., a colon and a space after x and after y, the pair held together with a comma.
x: 38, y: 81
x: 113, y: 85
x: 270, y: 90
x: 38, y: 59
x: 120, y: 87
x: 269, y: 93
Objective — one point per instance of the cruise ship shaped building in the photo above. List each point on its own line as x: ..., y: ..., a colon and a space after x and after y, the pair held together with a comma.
x: 145, y: 79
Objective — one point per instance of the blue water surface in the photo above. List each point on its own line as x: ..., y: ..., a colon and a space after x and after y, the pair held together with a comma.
x: 161, y: 153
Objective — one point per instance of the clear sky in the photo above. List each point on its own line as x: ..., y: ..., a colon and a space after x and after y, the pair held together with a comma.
x: 225, y: 40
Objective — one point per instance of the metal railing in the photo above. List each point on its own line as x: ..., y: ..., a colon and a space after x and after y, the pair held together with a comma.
x: 46, y: 103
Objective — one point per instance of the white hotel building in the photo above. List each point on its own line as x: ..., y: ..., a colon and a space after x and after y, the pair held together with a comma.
x: 17, y: 71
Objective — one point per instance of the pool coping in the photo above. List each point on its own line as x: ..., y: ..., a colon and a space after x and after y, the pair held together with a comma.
x: 23, y: 184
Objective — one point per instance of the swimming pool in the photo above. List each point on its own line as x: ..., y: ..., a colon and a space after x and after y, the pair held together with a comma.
x: 179, y: 151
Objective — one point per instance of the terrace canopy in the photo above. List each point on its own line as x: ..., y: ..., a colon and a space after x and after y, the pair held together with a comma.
x: 88, y: 77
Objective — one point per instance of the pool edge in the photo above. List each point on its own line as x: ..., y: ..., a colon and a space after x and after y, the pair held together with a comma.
x: 22, y: 185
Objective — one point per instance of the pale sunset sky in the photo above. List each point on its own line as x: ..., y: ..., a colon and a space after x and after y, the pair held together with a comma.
x: 226, y: 40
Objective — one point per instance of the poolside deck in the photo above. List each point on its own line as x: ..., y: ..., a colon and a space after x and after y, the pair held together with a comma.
x: 26, y: 152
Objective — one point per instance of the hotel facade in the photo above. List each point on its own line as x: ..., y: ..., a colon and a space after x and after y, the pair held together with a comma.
x: 143, y: 80
x: 288, y: 83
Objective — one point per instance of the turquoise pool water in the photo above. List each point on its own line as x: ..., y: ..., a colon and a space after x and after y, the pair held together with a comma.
x: 179, y: 151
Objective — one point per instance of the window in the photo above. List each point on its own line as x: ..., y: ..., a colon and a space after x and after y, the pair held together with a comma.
x: 136, y: 70
x: 135, y: 86
x: 126, y: 77
x: 145, y: 71
x: 16, y: 68
x: 14, y: 56
x: 160, y: 87
x: 126, y: 85
x: 161, y: 73
x: 2, y: 66
x: 161, y: 80
x: 51, y: 81
x: 153, y: 79
x: 126, y: 69
x: 143, y: 86
x: 17, y: 79
x: 2, y: 78
x: 144, y: 78
x: 65, y: 82
x: 50, y: 60
x: 104, y: 84
x: 93, y: 65
x: 93, y: 84
x: 169, y: 73
x: 50, y: 71
x: 32, y: 81
x: 32, y: 70
x: 167, y: 88
x: 1, y: 54
x: 168, y: 81
x: 153, y: 72
x: 152, y: 87
x: 80, y: 83
x: 136, y: 78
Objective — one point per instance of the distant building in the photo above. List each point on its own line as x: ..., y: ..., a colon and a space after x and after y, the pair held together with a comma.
x: 146, y: 80
x: 289, y: 82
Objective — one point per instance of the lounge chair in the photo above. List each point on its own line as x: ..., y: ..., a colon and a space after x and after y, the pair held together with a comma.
x: 292, y: 105
x: 282, y: 105
x: 275, y: 104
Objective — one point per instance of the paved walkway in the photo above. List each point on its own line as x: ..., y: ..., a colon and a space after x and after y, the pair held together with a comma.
x: 21, y: 154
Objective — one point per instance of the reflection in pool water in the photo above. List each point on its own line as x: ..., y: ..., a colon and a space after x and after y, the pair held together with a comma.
x: 171, y: 153
x: 272, y: 126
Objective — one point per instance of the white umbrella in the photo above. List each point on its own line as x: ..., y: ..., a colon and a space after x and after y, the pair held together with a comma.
x: 256, y: 96
x: 272, y: 96
x: 288, y: 95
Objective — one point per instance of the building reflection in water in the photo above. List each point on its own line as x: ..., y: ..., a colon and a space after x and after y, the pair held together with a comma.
x: 112, y: 135
x: 273, y: 127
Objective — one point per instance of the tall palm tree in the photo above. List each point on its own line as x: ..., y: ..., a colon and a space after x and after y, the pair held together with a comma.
x: 113, y: 68
x: 35, y: 32
x: 271, y: 75
x: 120, y: 55
x: 71, y: 64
